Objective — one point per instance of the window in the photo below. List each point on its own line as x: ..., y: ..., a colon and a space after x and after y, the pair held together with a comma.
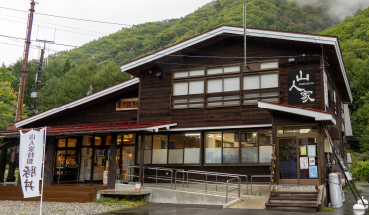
x: 230, y: 147
x: 187, y: 88
x: 213, y: 149
x: 260, y: 86
x: 265, y: 146
x: 176, y: 144
x: 249, y: 143
x: 171, y: 148
x: 225, y: 86
x: 160, y: 148
x: 238, y: 147
x: 189, y: 73
x: 223, y: 70
x: 147, y: 149
x: 192, y: 148
x: 218, y: 85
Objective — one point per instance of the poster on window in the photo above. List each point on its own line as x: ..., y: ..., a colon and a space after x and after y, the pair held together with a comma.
x: 304, y: 163
x: 301, y: 86
x: 313, y: 172
x: 31, y: 152
x: 312, y: 161
x: 312, y: 150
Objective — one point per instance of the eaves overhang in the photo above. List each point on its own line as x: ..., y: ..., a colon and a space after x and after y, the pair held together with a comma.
x: 307, y: 112
x: 78, y: 102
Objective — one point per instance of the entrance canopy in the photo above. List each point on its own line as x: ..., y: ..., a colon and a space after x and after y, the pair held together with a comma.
x: 318, y: 115
x: 99, y: 128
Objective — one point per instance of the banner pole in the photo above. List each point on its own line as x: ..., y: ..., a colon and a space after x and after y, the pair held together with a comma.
x: 43, y: 171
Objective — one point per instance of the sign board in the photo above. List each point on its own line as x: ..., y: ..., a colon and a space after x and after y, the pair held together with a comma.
x: 301, y: 86
x: 34, y: 95
x: 105, y: 181
x: 325, y: 89
x: 349, y: 160
x: 127, y: 104
x: 31, y: 152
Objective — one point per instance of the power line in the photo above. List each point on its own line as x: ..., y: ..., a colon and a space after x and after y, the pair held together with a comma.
x: 51, y: 28
x: 64, y: 17
x: 173, y: 55
x: 64, y: 26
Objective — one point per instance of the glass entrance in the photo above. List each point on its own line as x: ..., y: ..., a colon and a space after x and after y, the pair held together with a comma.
x: 287, y: 155
x: 298, y: 160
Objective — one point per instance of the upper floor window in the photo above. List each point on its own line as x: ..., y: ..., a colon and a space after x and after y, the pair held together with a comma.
x: 229, y: 85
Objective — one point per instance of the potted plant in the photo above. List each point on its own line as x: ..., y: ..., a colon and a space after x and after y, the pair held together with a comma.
x: 138, y: 186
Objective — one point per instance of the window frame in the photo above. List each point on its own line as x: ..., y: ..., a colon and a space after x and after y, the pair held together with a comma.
x: 239, y: 148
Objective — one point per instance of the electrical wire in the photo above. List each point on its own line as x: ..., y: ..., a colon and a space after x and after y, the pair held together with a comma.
x: 65, y: 17
x: 64, y: 26
x: 172, y: 55
x: 53, y: 28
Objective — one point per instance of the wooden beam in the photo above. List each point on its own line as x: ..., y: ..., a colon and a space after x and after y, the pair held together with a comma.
x: 112, y: 161
x: 49, y: 160
x: 142, y: 157
x: 3, y: 164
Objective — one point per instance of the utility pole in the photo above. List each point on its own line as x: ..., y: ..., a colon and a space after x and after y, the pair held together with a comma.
x: 38, y: 76
x: 24, y: 71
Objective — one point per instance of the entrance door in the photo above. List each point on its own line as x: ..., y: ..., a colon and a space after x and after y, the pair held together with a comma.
x: 287, y: 161
x: 298, y: 161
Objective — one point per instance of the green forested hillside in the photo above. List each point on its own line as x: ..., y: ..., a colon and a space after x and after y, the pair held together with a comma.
x: 70, y: 74
x: 130, y: 43
x: 353, y: 35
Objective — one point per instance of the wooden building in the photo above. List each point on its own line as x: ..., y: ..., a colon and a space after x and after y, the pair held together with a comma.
x: 200, y: 107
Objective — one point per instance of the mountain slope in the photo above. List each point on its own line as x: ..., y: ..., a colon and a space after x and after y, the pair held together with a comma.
x: 353, y: 35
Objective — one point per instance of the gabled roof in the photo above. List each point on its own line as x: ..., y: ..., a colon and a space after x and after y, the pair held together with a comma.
x: 130, y: 67
x: 99, y: 128
x: 78, y: 102
x: 318, y: 115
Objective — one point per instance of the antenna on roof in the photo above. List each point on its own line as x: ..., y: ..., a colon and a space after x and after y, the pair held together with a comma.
x: 244, y: 29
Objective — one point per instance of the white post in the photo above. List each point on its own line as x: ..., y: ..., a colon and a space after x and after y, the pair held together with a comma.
x: 43, y: 171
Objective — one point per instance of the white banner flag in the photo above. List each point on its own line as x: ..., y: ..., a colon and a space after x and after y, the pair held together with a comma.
x: 31, y: 152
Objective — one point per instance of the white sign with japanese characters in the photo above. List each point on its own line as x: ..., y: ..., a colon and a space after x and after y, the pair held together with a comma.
x: 31, y: 152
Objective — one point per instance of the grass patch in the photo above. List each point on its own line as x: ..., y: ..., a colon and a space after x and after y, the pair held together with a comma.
x: 127, y: 202
x: 60, y: 210
x: 326, y: 209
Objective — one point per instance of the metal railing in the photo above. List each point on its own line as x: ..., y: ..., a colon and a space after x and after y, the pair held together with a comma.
x: 185, y: 179
x: 156, y: 178
x: 259, y: 176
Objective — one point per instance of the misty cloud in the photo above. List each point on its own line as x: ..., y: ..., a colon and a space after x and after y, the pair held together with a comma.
x: 338, y: 9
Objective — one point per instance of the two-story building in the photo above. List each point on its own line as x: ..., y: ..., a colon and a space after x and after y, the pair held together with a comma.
x: 200, y: 107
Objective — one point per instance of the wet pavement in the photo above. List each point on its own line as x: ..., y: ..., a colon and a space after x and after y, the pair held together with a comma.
x: 185, y: 209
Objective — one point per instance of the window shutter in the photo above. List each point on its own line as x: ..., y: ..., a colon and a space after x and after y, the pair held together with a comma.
x: 231, y: 84
x: 180, y: 88
x: 215, y: 85
x: 231, y: 69
x: 181, y: 74
x: 197, y: 72
x: 269, y: 80
x: 213, y: 71
x: 251, y: 82
x: 196, y: 87
x: 269, y: 65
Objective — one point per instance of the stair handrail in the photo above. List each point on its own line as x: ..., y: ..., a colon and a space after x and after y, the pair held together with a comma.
x: 338, y: 161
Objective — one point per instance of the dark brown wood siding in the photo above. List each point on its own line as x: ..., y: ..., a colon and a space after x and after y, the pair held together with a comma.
x: 99, y: 111
x: 156, y: 92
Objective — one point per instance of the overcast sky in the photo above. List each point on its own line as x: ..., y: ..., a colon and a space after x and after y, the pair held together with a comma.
x: 72, y: 32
